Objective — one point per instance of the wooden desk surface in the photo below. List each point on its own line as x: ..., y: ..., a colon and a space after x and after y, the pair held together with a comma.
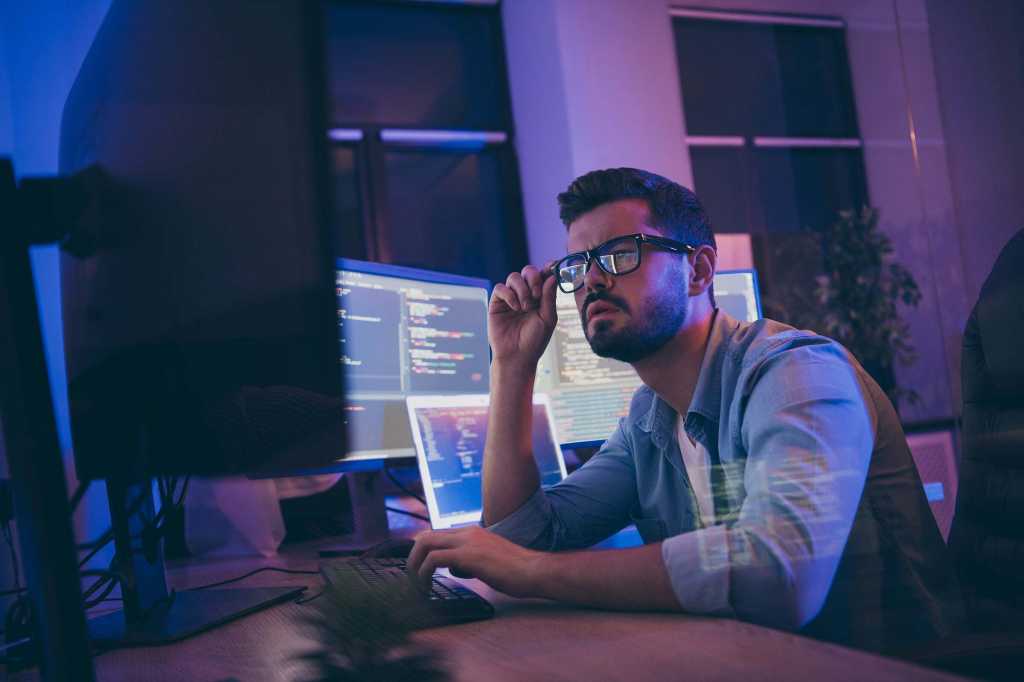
x: 528, y: 639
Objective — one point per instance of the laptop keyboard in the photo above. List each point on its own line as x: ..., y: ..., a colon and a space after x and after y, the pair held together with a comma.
x: 448, y: 601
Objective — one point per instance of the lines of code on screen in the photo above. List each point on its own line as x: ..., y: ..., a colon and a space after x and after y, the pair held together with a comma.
x: 404, y: 337
x: 589, y: 393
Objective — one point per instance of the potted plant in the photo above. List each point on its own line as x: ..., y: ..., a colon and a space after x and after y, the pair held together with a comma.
x: 859, y: 293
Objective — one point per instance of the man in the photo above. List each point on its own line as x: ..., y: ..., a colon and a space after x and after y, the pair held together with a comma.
x: 765, y: 470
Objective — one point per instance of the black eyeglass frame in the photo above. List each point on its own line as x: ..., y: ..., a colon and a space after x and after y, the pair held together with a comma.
x: 592, y: 255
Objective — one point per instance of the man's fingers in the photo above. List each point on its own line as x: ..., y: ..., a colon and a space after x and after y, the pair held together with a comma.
x: 517, y: 284
x: 437, y: 558
x: 534, y: 279
x: 428, y: 541
x: 505, y: 296
x: 523, y: 290
x: 548, y: 309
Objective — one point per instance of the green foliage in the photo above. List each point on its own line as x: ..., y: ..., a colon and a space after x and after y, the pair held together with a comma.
x: 363, y: 634
x: 858, y: 297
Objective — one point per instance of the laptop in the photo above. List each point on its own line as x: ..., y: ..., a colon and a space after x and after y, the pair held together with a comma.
x: 449, y: 432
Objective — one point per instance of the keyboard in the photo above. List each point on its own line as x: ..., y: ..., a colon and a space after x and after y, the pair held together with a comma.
x: 446, y: 603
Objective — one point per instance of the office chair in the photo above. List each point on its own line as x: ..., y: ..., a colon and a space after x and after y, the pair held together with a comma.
x: 987, y: 536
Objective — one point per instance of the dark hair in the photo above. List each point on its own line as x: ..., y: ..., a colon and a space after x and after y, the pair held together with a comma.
x: 675, y: 210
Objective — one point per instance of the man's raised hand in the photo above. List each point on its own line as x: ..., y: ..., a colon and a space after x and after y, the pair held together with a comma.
x: 521, y: 315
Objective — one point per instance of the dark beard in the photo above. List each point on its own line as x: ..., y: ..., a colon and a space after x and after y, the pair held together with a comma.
x: 659, y: 320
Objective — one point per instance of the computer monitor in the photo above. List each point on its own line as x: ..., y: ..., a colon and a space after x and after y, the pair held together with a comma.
x: 450, y: 433
x: 405, y: 332
x: 737, y: 293
x: 201, y: 334
x: 589, y: 394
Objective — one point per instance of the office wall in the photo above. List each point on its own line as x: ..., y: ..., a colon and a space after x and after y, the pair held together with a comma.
x: 6, y: 122
x: 979, y: 70
x: 44, y: 43
x: 596, y: 85
x: 6, y: 147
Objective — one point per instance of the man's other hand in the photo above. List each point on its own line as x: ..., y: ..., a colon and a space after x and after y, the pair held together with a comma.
x: 475, y: 553
x: 521, y: 315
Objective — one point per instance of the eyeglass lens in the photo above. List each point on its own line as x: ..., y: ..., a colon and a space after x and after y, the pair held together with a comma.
x: 616, y: 257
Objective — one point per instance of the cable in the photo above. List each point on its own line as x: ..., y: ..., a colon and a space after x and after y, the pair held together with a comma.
x: 408, y: 513
x: 8, y: 537
x: 306, y: 601
x: 107, y: 581
x: 18, y: 589
x: 105, y: 540
x: 398, y: 484
x: 166, y: 486
x: 184, y: 489
x: 102, y: 597
x: 79, y: 494
x: 19, y: 613
x: 251, y: 573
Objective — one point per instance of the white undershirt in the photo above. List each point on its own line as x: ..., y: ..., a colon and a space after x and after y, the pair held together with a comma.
x: 698, y: 470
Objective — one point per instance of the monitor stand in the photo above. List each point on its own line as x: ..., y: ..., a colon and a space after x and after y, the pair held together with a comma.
x: 369, y: 515
x: 152, y: 615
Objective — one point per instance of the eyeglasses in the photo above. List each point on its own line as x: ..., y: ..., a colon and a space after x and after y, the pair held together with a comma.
x: 619, y: 256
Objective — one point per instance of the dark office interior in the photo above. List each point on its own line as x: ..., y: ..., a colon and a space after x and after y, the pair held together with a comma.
x: 249, y: 253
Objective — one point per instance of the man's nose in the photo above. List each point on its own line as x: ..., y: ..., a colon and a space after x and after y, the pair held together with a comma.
x: 595, y: 278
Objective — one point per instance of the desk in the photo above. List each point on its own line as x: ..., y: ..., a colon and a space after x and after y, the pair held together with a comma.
x: 527, y: 640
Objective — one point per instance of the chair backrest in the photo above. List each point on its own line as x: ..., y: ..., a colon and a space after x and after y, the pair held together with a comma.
x: 987, y: 538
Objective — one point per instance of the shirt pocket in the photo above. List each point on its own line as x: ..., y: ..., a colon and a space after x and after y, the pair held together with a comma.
x: 650, y: 529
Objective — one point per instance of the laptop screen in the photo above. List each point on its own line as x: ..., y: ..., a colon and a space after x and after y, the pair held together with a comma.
x: 449, y: 432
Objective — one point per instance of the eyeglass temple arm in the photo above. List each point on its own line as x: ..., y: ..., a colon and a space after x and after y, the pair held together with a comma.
x: 667, y: 243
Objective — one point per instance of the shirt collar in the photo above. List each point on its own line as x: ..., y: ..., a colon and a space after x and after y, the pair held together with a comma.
x: 706, y: 404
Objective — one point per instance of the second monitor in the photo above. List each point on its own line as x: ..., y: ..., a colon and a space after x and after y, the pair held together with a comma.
x: 405, y: 332
x: 409, y: 332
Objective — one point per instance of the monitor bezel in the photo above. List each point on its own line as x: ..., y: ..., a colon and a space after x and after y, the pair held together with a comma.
x: 408, y: 272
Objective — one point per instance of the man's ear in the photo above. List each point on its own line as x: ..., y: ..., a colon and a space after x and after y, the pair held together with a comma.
x: 702, y: 275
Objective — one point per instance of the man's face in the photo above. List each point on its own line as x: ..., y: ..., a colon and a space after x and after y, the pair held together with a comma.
x: 628, y: 317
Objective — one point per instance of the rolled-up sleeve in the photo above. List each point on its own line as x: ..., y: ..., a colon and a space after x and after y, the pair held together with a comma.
x: 591, y: 504
x: 808, y: 436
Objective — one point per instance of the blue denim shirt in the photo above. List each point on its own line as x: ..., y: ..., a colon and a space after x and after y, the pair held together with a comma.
x: 813, y: 485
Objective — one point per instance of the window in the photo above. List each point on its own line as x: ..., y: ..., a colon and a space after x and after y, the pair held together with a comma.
x: 770, y: 119
x: 424, y: 172
x: 773, y: 138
